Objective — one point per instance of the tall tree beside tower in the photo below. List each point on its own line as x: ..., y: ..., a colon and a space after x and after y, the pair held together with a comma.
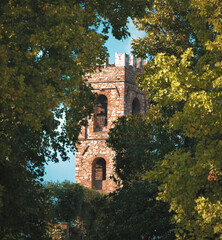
x: 46, y: 49
x: 183, y: 83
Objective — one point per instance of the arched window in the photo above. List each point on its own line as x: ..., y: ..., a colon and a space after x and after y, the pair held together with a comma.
x: 100, y: 117
x: 99, y: 173
x: 135, y: 106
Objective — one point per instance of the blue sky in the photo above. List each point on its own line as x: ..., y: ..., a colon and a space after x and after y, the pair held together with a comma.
x: 66, y: 170
x: 122, y: 46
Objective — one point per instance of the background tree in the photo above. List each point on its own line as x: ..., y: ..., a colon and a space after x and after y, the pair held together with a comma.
x: 74, y: 204
x: 46, y: 50
x: 183, y: 80
x: 132, y: 212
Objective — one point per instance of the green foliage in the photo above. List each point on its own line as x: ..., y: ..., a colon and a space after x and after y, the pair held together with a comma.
x: 47, y: 48
x: 25, y: 216
x: 168, y: 30
x: 131, y: 157
x: 39, y: 75
x: 187, y: 84
x: 132, y: 212
x: 74, y: 204
x: 139, y: 143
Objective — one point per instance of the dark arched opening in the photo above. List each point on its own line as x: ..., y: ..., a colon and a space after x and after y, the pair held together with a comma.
x: 135, y: 106
x: 100, y: 117
x: 98, y: 173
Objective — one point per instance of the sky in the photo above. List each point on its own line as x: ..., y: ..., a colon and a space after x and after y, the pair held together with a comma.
x: 66, y: 170
x: 122, y: 46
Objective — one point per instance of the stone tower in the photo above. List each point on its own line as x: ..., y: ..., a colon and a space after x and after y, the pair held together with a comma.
x: 117, y: 96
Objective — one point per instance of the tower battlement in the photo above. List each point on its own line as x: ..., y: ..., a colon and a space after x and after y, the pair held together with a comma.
x: 127, y: 61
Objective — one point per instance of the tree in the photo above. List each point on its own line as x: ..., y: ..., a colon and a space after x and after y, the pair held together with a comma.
x: 184, y: 78
x: 46, y: 50
x: 74, y: 204
x: 138, y: 144
x: 132, y: 212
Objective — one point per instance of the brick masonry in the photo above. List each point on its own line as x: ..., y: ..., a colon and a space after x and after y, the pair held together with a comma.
x: 117, y: 83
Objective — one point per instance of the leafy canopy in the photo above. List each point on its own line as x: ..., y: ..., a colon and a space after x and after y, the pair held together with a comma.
x: 47, y: 48
x: 183, y: 80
